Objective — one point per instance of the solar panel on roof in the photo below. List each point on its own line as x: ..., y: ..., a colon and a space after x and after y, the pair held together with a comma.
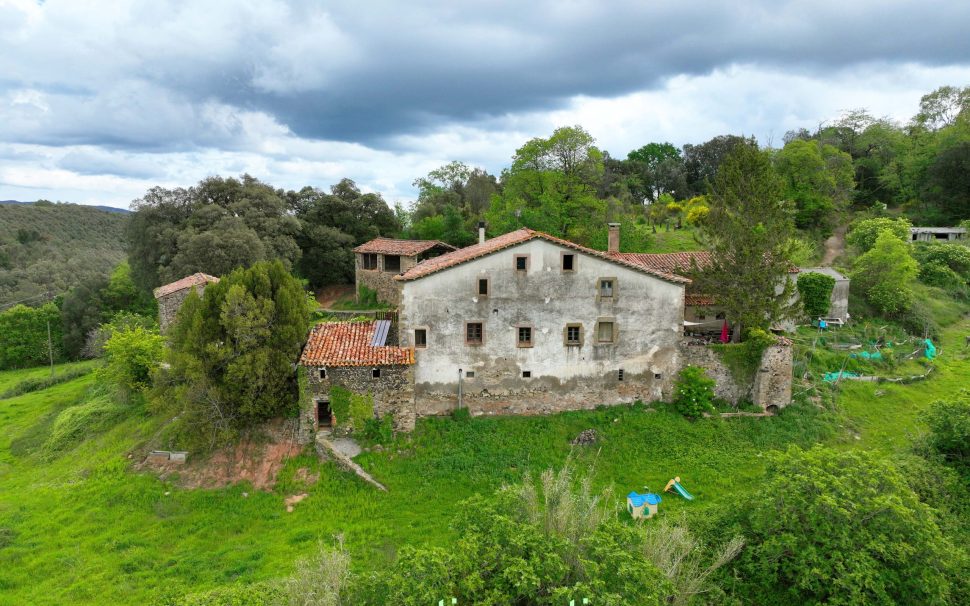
x: 380, y: 333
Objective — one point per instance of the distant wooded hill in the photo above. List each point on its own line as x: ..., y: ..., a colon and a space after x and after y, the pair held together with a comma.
x: 48, y: 247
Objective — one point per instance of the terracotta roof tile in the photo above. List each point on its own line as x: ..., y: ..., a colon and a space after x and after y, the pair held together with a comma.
x: 698, y: 300
x: 349, y: 344
x: 406, y: 248
x: 196, y: 279
x: 675, y: 263
x: 492, y: 245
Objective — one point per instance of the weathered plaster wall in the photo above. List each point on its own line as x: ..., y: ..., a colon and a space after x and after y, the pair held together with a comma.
x: 647, y: 311
x: 381, y: 281
x: 169, y: 305
x: 393, y: 391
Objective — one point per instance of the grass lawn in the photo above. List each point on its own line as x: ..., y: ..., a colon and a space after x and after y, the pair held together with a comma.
x: 9, y: 378
x: 82, y: 528
x: 675, y: 240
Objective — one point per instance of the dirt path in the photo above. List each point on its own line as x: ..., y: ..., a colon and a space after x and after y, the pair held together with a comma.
x: 329, y: 295
x: 834, y: 246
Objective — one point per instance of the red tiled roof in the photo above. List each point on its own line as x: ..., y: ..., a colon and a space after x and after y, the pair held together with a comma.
x: 406, y: 248
x: 349, y: 344
x: 469, y: 253
x: 698, y: 300
x: 196, y: 279
x: 676, y: 263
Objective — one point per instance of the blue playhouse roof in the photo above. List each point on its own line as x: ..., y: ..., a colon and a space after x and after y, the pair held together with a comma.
x: 638, y: 499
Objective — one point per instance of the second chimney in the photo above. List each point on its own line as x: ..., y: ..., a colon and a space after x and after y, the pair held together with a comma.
x: 481, y: 232
x: 614, y: 239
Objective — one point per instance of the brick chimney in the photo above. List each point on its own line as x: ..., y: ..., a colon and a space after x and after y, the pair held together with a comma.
x: 614, y: 239
x: 481, y: 232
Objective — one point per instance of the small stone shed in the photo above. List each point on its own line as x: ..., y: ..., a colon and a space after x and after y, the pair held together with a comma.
x: 355, y: 356
x: 171, y: 296
x: 379, y: 260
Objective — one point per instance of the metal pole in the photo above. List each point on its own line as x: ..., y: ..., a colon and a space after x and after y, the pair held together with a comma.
x: 459, y: 388
x: 50, y: 347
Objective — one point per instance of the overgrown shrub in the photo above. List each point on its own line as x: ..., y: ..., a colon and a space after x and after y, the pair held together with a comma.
x: 743, y: 359
x: 937, y: 274
x: 131, y: 356
x: 322, y: 579
x: 949, y: 424
x: 815, y: 292
x: 256, y: 594
x: 694, y: 392
x: 80, y: 422
x: 837, y: 527
x: 885, y: 275
x: 380, y: 431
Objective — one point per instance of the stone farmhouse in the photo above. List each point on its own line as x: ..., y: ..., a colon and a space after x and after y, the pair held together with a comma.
x: 937, y: 234
x: 171, y: 296
x: 522, y: 323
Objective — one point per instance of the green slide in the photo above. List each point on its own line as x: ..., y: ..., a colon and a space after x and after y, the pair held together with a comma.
x: 683, y: 491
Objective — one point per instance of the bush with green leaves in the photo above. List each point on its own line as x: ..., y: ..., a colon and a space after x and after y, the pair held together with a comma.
x: 885, y: 275
x: 863, y: 233
x: 949, y: 424
x: 694, y: 392
x: 815, y: 292
x: 351, y: 410
x: 838, y: 527
x: 24, y: 336
x: 131, y: 357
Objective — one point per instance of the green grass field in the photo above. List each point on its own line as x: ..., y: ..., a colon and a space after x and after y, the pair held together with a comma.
x: 675, y: 240
x: 82, y: 528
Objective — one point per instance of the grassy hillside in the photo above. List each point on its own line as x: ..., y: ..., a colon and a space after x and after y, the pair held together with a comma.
x: 53, y: 247
x: 80, y: 527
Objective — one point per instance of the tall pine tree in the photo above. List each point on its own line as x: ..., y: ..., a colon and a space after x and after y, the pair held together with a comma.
x: 748, y: 231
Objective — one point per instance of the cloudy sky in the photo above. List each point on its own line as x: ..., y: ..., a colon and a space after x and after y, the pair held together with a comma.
x: 100, y: 100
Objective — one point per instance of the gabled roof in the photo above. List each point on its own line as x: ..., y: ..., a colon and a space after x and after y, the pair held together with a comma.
x: 698, y: 300
x: 405, y: 248
x: 493, y: 245
x: 197, y: 279
x: 349, y: 344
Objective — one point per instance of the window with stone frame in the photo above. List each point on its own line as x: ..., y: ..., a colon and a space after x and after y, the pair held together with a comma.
x: 521, y: 263
x: 574, y: 334
x: 605, y: 331
x: 483, y: 287
x: 607, y: 288
x: 523, y: 336
x: 420, y: 338
x: 474, y: 333
x: 392, y: 263
x: 368, y: 261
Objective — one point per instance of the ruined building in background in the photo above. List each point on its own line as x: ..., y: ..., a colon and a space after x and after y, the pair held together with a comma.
x: 171, y: 296
x: 518, y: 324
x: 378, y: 261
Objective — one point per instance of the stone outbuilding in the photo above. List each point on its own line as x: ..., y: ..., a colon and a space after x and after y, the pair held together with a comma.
x: 171, y: 296
x: 380, y: 259
x: 356, y: 357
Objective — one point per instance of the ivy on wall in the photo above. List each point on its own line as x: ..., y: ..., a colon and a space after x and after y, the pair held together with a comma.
x: 351, y: 410
x: 743, y: 359
x: 815, y: 291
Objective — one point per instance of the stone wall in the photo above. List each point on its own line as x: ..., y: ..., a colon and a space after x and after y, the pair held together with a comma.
x: 772, y: 384
x: 388, y: 289
x: 393, y: 391
x: 169, y: 305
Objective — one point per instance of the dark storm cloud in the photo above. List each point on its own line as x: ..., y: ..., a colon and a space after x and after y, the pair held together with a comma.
x: 178, y: 75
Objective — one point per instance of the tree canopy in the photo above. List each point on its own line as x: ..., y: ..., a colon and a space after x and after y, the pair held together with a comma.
x: 748, y: 231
